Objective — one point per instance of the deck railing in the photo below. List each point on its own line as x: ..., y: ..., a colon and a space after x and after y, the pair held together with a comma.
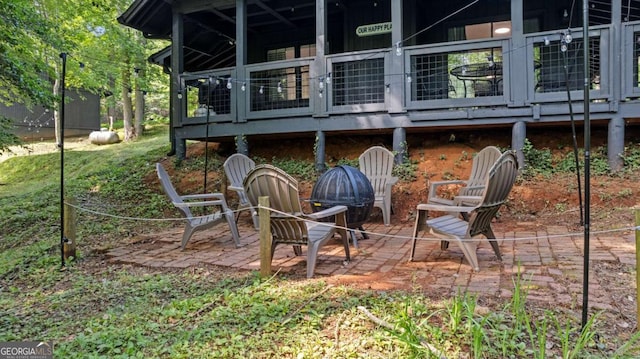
x: 358, y: 83
x: 279, y: 88
x: 207, y: 90
x: 469, y: 73
x: 631, y: 60
x: 464, y: 74
x: 557, y: 61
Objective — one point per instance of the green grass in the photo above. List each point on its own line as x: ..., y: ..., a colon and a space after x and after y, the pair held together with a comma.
x: 97, y: 309
x: 132, y: 312
x: 104, y: 178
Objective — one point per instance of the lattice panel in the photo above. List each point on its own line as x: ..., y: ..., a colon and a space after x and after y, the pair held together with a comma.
x: 431, y: 77
x: 218, y: 99
x: 358, y: 82
x: 280, y: 89
x: 550, y: 69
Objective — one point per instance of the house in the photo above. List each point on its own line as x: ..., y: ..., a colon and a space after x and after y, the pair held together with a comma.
x: 317, y: 68
x: 82, y: 115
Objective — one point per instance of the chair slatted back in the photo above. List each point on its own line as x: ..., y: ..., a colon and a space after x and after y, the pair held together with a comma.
x: 482, y: 164
x: 377, y: 164
x: 282, y: 190
x: 502, y: 176
x: 168, y: 188
x: 236, y: 168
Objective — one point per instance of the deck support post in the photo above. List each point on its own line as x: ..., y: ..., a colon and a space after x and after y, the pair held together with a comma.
x: 615, y: 143
x: 395, y: 84
x: 242, y: 146
x: 319, y: 149
x: 177, y: 90
x: 400, y: 145
x: 181, y: 148
x: 318, y: 69
x: 242, y: 97
x: 518, y: 135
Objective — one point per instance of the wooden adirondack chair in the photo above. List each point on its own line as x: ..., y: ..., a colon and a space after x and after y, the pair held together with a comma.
x: 290, y: 225
x: 236, y: 168
x: 472, y: 189
x: 451, y: 227
x: 198, y: 223
x: 377, y: 164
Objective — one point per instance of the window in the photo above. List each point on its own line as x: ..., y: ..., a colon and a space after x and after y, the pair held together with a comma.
x: 485, y: 30
x: 286, y: 53
x: 289, y: 53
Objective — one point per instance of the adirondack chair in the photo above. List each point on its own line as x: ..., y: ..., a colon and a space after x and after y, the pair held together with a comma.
x: 377, y: 164
x: 290, y: 225
x: 451, y: 227
x: 198, y: 223
x: 472, y: 189
x: 236, y: 168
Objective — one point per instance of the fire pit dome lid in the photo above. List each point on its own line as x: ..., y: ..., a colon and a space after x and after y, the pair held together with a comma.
x: 344, y: 185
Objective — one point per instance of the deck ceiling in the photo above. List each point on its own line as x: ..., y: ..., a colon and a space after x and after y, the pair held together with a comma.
x: 210, y: 26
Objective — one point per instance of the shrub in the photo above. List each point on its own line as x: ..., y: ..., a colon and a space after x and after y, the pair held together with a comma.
x: 536, y: 161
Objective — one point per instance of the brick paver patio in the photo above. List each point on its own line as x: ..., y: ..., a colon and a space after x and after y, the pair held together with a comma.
x: 550, y: 257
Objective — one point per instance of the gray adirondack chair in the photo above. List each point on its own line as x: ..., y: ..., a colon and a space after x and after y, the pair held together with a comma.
x: 451, y: 227
x: 236, y: 168
x: 472, y: 189
x: 198, y: 223
x: 289, y: 225
x: 377, y: 164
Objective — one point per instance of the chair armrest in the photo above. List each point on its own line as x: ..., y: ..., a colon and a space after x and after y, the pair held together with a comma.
x: 216, y: 195
x: 201, y: 204
x: 390, y: 183
x: 460, y: 200
x: 327, y: 212
x: 219, y: 200
x: 444, y: 208
x: 441, y: 201
x: 435, y: 184
x: 433, y: 187
x: 235, y: 188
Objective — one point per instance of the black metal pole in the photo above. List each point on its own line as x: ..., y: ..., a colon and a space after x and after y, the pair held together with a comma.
x: 573, y: 133
x: 61, y: 146
x: 206, y: 136
x: 587, y: 162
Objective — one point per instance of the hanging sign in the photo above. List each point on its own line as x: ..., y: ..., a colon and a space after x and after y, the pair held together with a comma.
x: 373, y: 29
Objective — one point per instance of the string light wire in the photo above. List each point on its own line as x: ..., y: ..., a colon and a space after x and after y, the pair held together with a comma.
x: 371, y: 233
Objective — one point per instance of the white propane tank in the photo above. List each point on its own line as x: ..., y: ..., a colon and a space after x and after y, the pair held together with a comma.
x: 103, y: 137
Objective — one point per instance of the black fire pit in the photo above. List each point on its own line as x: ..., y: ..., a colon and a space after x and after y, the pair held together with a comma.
x: 345, y: 185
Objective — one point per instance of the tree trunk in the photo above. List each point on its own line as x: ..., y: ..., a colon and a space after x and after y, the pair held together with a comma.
x: 56, y: 113
x: 111, y: 103
x: 140, y: 107
x: 127, y: 110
